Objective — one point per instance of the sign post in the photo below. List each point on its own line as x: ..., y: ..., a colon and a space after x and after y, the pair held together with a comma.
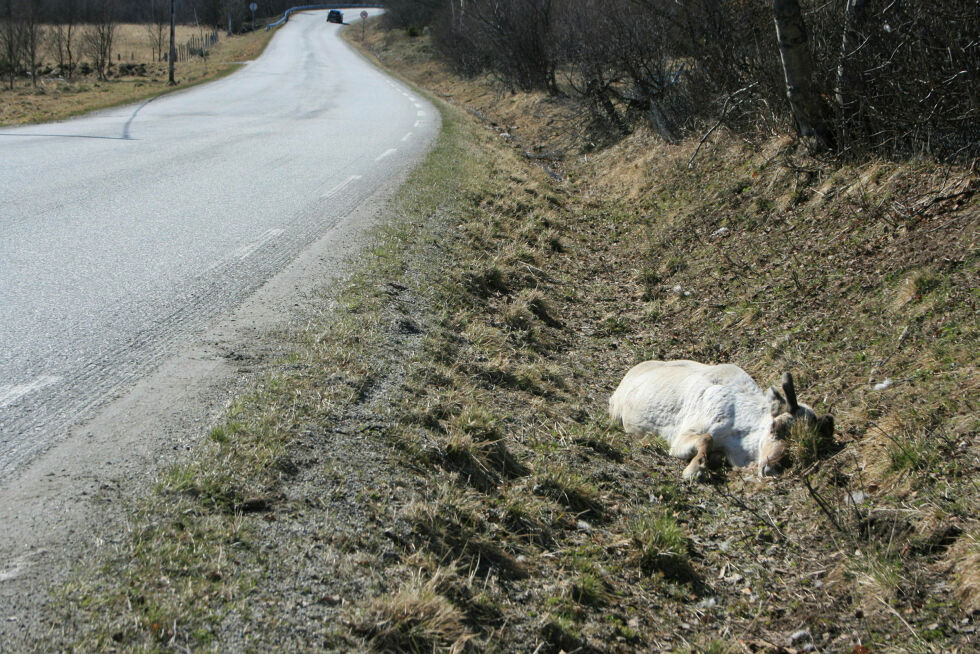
x: 253, y: 7
x: 364, y: 15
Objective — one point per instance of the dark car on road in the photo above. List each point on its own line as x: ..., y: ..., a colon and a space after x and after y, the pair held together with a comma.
x: 335, y: 16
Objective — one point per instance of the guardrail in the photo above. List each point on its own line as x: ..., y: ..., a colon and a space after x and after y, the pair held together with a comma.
x: 286, y: 14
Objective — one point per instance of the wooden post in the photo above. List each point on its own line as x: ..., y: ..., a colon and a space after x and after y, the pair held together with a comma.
x: 173, y: 46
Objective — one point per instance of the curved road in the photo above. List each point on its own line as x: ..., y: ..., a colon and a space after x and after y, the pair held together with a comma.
x: 124, y: 233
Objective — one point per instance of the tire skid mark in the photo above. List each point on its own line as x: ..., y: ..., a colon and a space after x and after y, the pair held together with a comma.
x: 11, y: 393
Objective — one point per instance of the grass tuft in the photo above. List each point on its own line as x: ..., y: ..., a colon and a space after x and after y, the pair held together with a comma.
x: 415, y: 619
x: 661, y: 544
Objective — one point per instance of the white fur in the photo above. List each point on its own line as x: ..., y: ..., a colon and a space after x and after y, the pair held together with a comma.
x: 678, y: 399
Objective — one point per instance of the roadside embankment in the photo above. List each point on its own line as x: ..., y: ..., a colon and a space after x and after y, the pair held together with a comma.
x: 431, y: 467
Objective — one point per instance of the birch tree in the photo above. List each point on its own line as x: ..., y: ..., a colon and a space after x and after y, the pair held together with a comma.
x: 809, y: 112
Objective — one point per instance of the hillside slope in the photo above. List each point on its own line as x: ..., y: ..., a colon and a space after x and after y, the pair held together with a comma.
x: 860, y: 278
x: 433, y: 469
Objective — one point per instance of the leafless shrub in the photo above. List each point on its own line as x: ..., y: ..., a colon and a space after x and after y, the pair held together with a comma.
x: 512, y: 38
x: 893, y: 78
x: 415, y: 14
x: 157, y: 27
x: 34, y: 35
x: 98, y: 37
x: 11, y: 45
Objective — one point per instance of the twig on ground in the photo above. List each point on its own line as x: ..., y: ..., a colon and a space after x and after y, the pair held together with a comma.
x: 898, y: 615
x: 898, y: 346
x: 823, y: 506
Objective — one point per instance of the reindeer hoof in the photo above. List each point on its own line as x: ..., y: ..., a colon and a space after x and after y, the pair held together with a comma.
x: 694, y: 471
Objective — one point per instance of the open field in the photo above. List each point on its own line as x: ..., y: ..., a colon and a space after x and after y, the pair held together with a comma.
x: 432, y: 469
x: 54, y: 98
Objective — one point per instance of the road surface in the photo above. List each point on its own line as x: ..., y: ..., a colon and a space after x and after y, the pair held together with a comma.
x: 125, y: 233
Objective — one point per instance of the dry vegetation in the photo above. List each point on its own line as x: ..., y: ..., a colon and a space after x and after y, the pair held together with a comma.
x: 432, y: 470
x: 54, y: 98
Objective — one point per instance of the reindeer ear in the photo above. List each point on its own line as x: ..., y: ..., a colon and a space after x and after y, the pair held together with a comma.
x: 790, y: 392
x: 777, y: 402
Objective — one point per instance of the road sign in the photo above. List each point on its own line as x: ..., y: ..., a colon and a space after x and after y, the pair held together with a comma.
x: 253, y: 6
x: 364, y: 14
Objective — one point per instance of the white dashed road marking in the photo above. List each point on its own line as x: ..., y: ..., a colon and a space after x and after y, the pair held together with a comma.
x: 386, y: 153
x: 406, y: 137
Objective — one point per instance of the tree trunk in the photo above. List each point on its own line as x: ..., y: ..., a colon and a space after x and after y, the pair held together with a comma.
x: 69, y: 17
x: 848, y: 87
x: 808, y: 110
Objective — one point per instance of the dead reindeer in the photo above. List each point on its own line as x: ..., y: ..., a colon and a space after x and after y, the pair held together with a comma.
x: 698, y: 408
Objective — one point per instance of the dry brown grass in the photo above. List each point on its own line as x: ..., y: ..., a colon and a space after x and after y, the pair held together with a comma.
x: 965, y: 559
x: 56, y: 99
x: 132, y: 42
x: 416, y: 618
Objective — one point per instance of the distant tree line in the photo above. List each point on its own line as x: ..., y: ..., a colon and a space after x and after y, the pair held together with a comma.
x: 211, y: 13
x: 78, y: 35
x: 853, y: 76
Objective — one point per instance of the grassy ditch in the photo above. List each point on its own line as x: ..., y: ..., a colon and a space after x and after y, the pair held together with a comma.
x: 432, y: 468
x: 135, y: 76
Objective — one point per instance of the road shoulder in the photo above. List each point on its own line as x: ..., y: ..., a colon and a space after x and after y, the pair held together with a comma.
x: 72, y: 501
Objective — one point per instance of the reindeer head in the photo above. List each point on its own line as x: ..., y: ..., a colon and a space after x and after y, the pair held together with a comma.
x: 786, y: 412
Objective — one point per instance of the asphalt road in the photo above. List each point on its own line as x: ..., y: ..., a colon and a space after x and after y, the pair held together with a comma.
x: 125, y: 233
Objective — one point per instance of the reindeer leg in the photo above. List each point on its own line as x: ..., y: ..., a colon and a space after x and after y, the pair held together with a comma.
x: 699, y: 463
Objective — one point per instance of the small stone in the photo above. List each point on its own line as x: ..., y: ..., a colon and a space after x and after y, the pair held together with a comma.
x: 708, y: 603
x: 799, y: 635
x: 582, y: 525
